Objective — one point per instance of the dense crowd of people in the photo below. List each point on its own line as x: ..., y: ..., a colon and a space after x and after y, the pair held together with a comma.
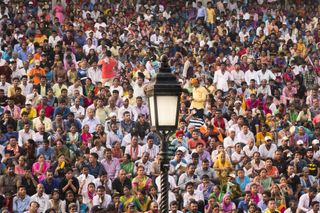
x: 75, y: 133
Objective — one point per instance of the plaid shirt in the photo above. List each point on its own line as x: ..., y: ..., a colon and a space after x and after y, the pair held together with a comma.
x: 309, y: 79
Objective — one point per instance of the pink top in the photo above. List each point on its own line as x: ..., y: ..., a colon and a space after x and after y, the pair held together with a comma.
x: 36, y: 169
x: 19, y: 170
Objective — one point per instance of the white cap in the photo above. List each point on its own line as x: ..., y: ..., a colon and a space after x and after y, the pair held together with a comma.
x: 182, y: 149
x: 285, y: 138
x: 107, y: 84
x: 315, y: 142
x: 28, y: 102
x: 112, y: 114
x: 237, y: 102
x: 232, y: 175
x: 232, y: 129
x: 37, y: 62
x: 267, y: 138
x: 300, y: 142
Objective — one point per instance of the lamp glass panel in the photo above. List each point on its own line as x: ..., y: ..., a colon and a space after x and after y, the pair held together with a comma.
x: 167, y: 110
x: 152, y: 111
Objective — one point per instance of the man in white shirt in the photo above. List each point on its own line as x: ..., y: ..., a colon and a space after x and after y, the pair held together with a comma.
x: 264, y: 88
x: 3, y: 84
x: 101, y: 198
x: 305, y: 200
x: 54, y: 38
x: 230, y: 141
x: 41, y: 198
x: 25, y: 134
x: 156, y: 38
x: 251, y: 74
x: 265, y: 74
x: 150, y: 148
x: 250, y: 148
x: 190, y: 194
x: 222, y: 78
x: 267, y: 149
x: 244, y: 135
x: 237, y: 75
x: 91, y: 121
x: 78, y: 110
x: 95, y: 73
x: 84, y: 179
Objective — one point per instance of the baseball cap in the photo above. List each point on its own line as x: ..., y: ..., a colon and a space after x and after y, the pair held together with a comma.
x: 28, y: 102
x: 112, y: 114
x: 285, y: 138
x: 315, y: 142
x: 299, y: 142
x: 267, y: 138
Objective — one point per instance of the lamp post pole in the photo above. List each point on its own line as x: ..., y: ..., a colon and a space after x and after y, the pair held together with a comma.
x: 164, y: 168
x: 163, y: 95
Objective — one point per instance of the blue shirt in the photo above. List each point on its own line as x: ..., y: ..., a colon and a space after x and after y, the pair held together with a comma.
x: 23, y: 56
x: 48, y: 153
x: 243, y: 184
x: 49, y: 187
x: 17, y: 47
x: 95, y: 171
x: 243, y: 205
x: 64, y: 112
x: 20, y: 205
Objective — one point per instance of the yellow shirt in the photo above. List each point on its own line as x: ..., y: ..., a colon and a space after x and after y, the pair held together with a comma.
x: 101, y: 113
x: 46, y: 122
x: 32, y: 114
x: 211, y: 16
x: 260, y: 138
x: 11, y: 91
x: 57, y: 90
x: 199, y: 97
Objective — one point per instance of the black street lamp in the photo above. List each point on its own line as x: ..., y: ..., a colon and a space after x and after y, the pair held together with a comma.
x: 164, y: 96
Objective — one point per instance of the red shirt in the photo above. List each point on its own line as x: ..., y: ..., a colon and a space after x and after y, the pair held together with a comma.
x: 108, y: 68
x: 193, y: 143
x: 48, y: 110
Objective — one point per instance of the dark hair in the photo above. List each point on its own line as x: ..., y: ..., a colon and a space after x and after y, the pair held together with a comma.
x: 95, y: 155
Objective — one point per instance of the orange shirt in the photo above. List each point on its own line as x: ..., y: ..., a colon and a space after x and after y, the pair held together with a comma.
x: 273, y: 172
x: 192, y: 143
x: 36, y: 73
x: 108, y: 68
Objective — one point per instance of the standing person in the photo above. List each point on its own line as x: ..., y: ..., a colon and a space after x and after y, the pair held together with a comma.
x: 108, y: 65
x: 36, y: 73
x: 199, y: 96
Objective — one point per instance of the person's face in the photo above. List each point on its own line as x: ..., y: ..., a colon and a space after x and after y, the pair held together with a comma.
x: 195, y: 135
x: 13, y: 142
x: 34, y: 207
x: 245, y: 129
x: 191, y: 169
x: 154, y: 207
x: 190, y: 189
x: 108, y: 154
x: 145, y: 157
x: 205, y: 165
x: 272, y: 205
x: 140, y: 171
x: 179, y: 155
x: 309, y: 154
x: 256, y: 156
x: 40, y: 188
x: 200, y: 148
